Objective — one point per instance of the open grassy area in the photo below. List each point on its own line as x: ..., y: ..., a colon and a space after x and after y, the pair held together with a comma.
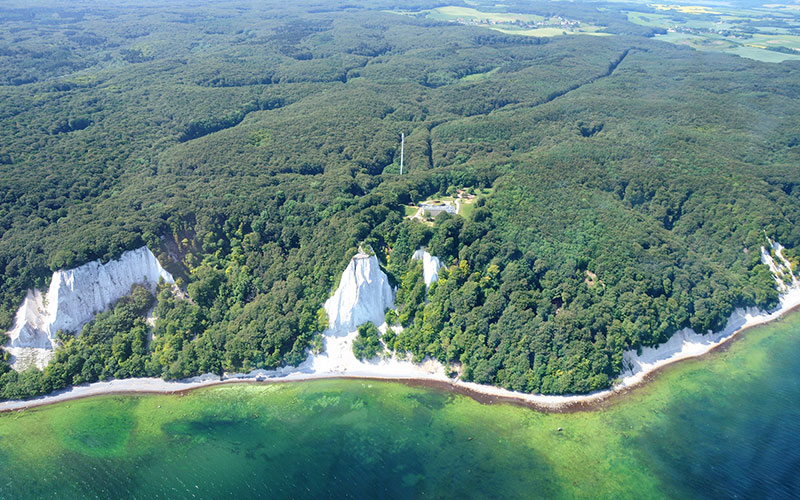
x: 465, y: 206
x: 763, y: 55
x: 510, y: 22
x: 554, y: 31
x: 452, y: 13
x: 466, y: 210
x: 666, y: 20
x: 766, y: 40
x: 767, y: 35
x: 722, y: 44
x: 479, y: 76
x: 685, y: 9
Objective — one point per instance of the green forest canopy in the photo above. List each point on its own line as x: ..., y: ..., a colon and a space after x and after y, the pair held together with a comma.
x: 254, y: 148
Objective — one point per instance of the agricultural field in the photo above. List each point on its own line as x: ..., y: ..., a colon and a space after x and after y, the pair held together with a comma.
x: 510, y: 22
x: 453, y: 13
x: 768, y: 34
x: 685, y: 9
x: 555, y: 31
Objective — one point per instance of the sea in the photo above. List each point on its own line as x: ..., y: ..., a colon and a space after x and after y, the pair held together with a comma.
x: 726, y: 425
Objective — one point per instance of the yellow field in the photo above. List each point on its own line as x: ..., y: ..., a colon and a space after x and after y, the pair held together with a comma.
x: 466, y: 13
x: 686, y: 9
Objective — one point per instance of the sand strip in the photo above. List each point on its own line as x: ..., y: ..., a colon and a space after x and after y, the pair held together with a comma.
x: 649, y: 362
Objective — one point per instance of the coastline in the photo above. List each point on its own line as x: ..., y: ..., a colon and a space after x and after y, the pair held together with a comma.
x: 649, y: 365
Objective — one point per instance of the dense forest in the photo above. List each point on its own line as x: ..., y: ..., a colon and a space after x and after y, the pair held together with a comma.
x: 254, y: 148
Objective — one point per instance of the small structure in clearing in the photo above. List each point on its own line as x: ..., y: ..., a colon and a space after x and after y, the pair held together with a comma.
x: 461, y: 202
x: 430, y: 210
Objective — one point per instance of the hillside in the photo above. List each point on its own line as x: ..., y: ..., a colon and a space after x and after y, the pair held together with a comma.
x: 253, y: 149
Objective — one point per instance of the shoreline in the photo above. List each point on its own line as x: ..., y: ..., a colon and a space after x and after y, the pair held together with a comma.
x: 484, y: 394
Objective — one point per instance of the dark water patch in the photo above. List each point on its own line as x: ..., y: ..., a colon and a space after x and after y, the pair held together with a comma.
x: 365, y: 442
x: 201, y: 426
x: 431, y: 400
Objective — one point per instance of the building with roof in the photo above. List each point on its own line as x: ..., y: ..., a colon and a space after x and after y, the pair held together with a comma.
x: 436, y: 210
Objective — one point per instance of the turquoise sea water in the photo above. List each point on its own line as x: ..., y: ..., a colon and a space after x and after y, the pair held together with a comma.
x: 726, y: 426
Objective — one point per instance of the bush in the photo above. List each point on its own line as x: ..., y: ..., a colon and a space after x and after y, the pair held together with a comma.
x: 367, y: 344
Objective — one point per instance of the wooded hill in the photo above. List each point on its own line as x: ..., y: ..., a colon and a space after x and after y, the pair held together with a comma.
x: 254, y: 148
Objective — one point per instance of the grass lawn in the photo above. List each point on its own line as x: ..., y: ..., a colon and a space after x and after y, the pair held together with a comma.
x: 479, y: 76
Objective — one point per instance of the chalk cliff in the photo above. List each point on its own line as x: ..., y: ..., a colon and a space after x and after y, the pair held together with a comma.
x: 74, y: 297
x: 781, y: 268
x: 687, y: 343
x: 364, y: 294
x: 430, y: 266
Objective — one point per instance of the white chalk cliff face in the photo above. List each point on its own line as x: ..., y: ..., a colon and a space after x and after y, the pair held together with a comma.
x: 430, y: 266
x: 781, y: 268
x: 74, y: 297
x: 364, y: 294
x: 687, y: 343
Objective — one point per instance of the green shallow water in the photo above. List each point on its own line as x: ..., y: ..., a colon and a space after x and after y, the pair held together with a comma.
x: 727, y: 426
